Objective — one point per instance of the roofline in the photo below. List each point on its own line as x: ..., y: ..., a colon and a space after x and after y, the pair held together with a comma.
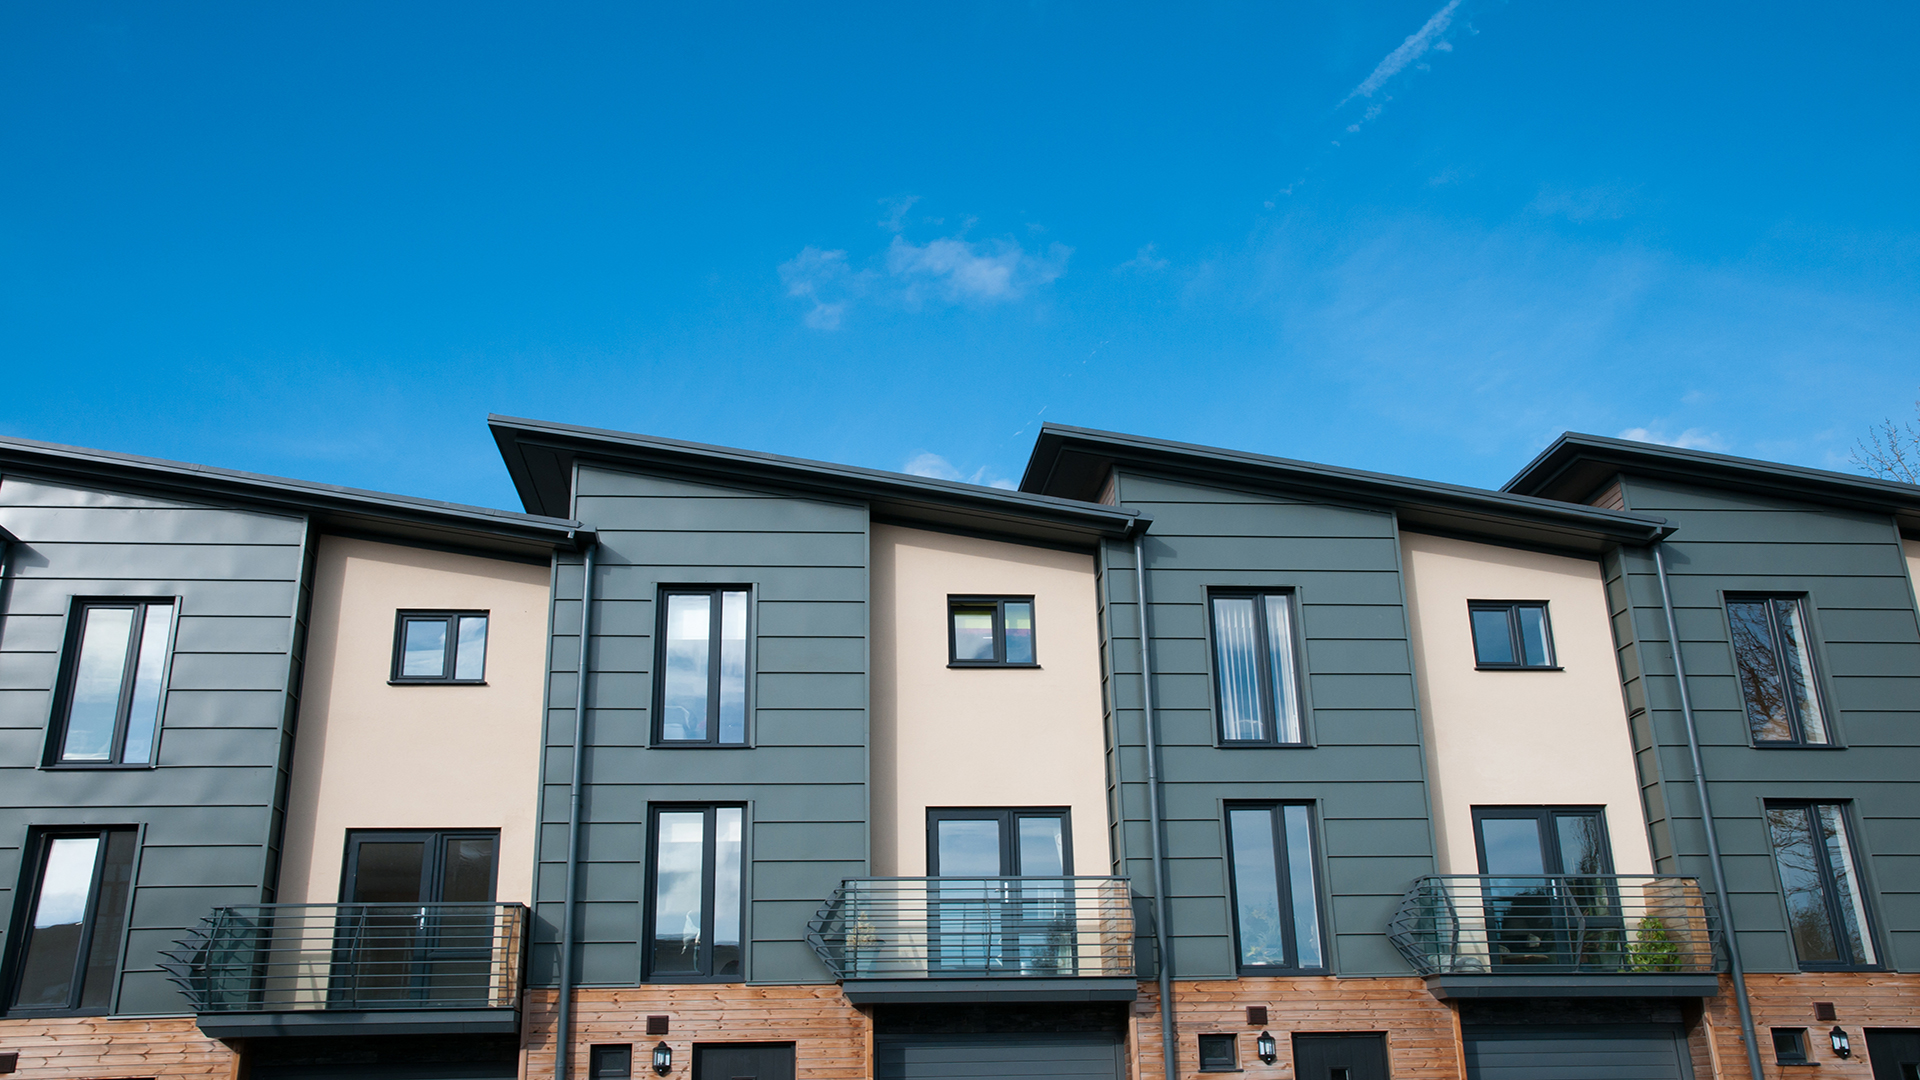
x: 901, y: 493
x: 338, y: 504
x: 1442, y: 500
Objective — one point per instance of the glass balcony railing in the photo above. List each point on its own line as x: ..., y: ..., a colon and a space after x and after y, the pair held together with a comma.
x: 1557, y: 924
x: 973, y: 928
x: 352, y: 957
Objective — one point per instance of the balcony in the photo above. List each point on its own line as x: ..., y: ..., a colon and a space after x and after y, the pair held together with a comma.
x: 346, y: 969
x: 1560, y: 935
x: 979, y: 939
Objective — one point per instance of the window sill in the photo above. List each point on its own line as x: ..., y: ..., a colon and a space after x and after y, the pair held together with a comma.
x: 436, y: 682
x: 1796, y: 746
x: 1798, y: 1064
x: 699, y: 746
x: 955, y: 664
x: 99, y: 766
x: 1518, y: 667
x: 1263, y: 746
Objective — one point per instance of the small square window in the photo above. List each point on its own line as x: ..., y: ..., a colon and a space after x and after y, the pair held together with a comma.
x: 1217, y: 1054
x: 610, y: 1061
x: 113, y: 685
x: 1511, y: 634
x: 990, y: 631
x: 440, y: 647
x: 1790, y: 1046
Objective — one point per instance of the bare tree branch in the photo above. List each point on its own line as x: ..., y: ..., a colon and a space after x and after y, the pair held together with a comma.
x: 1890, y: 451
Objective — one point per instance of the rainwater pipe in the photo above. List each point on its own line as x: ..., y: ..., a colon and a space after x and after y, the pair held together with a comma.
x: 1168, y: 1043
x: 563, y: 1020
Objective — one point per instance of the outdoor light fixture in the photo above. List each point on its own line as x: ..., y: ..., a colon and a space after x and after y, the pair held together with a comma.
x: 1841, y: 1044
x: 1266, y: 1048
x: 663, y: 1059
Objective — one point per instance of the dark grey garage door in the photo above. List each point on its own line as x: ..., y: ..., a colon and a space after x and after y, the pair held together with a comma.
x: 999, y: 1056
x: 1591, y: 1052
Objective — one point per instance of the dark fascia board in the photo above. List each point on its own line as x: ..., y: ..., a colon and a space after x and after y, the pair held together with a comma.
x: 1601, y: 985
x: 376, y: 513
x: 1072, y: 462
x: 540, y: 455
x: 1000, y: 990
x: 1577, y: 465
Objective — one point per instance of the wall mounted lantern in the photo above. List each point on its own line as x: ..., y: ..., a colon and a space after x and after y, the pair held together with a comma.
x: 1267, y: 1049
x: 1841, y: 1044
x: 663, y: 1059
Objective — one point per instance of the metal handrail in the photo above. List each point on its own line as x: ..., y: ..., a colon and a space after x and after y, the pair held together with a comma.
x: 1493, y: 924
x: 318, y: 957
x: 977, y: 927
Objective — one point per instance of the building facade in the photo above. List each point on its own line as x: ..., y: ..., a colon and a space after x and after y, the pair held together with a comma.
x: 724, y: 764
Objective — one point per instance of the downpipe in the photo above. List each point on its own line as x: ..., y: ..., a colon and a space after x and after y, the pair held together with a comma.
x: 563, y: 1019
x: 1168, y: 1041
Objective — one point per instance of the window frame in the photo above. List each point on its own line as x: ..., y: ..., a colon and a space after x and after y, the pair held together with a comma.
x: 1296, y: 641
x: 1816, y: 677
x: 61, y: 715
x: 656, y: 726
x: 1232, y: 1059
x: 1829, y: 895
x: 1546, y: 816
x: 999, y: 602
x: 1799, y: 1055
x: 1009, y: 820
x: 1283, y: 884
x: 1515, y: 641
x: 710, y: 863
x: 38, y: 849
x: 451, y: 616
x: 433, y: 866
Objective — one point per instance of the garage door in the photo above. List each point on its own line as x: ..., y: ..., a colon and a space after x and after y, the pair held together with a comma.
x: 998, y: 1056
x: 1591, y: 1052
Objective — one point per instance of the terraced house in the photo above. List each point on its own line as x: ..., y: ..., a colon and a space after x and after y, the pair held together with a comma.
x: 723, y: 764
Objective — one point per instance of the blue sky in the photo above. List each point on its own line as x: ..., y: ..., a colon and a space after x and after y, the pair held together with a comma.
x: 326, y: 240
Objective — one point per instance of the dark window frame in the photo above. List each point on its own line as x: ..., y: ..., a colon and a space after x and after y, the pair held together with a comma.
x: 1217, y: 1062
x: 62, y: 709
x: 1816, y: 675
x: 1283, y: 870
x: 710, y: 863
x: 1009, y: 819
x: 1545, y: 814
x: 1829, y: 893
x: 433, y: 866
x: 999, y: 603
x: 1296, y: 641
x: 656, y: 728
x: 1515, y: 641
x: 38, y: 848
x: 1797, y: 1054
x: 609, y: 1061
x: 452, y: 617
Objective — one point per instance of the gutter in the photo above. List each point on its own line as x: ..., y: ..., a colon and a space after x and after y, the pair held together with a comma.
x: 1706, y: 819
x: 563, y: 1022
x: 1168, y: 1041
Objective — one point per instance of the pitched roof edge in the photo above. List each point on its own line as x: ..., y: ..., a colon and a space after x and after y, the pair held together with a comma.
x: 1552, y: 464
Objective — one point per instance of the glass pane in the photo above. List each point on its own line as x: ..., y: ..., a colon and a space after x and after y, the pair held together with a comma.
x: 59, y: 916
x: 467, y: 877
x: 1533, y: 636
x: 1761, y: 684
x: 1256, y: 888
x: 424, y: 656
x: 1236, y: 657
x: 1306, y: 900
x: 96, y: 685
x: 1280, y: 655
x: 1492, y: 640
x: 1019, y: 632
x: 1798, y: 857
x: 679, y: 857
x: 1853, y: 911
x: 969, y: 848
x: 1794, y: 649
x: 683, y: 700
x: 1512, y: 846
x: 1583, y: 844
x: 470, y: 653
x: 109, y: 921
x: 388, y: 872
x: 733, y: 667
x: 973, y: 631
x: 726, y: 891
x: 1043, y: 850
x: 147, y: 674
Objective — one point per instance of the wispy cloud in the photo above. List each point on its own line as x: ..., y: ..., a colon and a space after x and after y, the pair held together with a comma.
x: 817, y: 275
x: 1585, y: 204
x: 1417, y: 44
x: 939, y: 468
x: 1690, y: 439
x: 1144, y: 261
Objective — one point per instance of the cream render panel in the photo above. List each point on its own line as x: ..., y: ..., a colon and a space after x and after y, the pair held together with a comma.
x: 1912, y: 549
x: 982, y: 736
x: 368, y: 755
x: 1518, y: 737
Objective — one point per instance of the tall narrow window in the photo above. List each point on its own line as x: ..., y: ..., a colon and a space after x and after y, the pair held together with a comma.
x: 1778, y: 680
x: 70, y: 953
x: 999, y: 843
x: 990, y: 631
x: 440, y: 647
x: 1255, y: 678
x: 700, y: 696
x: 1826, y: 904
x: 1275, y: 898
x: 694, y: 913
x: 1510, y: 634
x: 114, y: 683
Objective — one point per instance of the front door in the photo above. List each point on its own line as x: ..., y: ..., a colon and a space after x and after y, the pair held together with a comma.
x: 1339, y: 1057
x: 416, y: 921
x: 1894, y: 1053
x: 742, y: 1061
x: 1548, y: 900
